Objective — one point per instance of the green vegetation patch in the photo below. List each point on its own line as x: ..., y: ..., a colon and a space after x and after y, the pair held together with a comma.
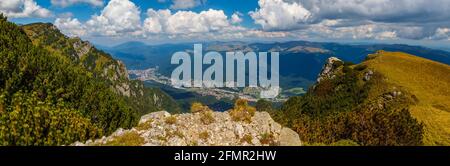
x: 127, y: 139
x: 348, y: 107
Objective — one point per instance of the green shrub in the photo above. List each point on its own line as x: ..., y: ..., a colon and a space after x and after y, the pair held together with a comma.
x: 242, y: 111
x: 206, y: 114
x: 171, y: 119
x: 345, y: 142
x: 263, y: 106
x: 360, y: 67
x: 348, y: 63
x: 127, y: 139
x: 247, y: 138
x: 29, y: 121
x: 207, y: 117
x: 198, y: 107
x: 337, y: 64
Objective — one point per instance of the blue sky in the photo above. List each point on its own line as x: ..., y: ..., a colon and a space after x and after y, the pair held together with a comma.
x: 109, y: 22
x: 84, y: 11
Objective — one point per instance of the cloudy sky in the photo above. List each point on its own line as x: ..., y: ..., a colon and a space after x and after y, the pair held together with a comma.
x: 161, y: 21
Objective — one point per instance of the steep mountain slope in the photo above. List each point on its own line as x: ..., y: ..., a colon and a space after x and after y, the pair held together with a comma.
x: 392, y: 98
x: 102, y: 65
x: 55, y: 90
x: 47, y: 36
x: 46, y: 99
x: 429, y: 81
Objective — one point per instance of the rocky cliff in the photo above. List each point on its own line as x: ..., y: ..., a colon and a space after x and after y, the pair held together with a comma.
x: 218, y: 129
x: 329, y: 69
x: 102, y: 65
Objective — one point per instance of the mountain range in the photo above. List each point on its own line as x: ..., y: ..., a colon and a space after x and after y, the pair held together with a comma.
x: 300, y: 61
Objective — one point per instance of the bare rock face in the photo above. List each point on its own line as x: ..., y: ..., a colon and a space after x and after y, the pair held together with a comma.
x: 117, y: 73
x: 122, y: 70
x: 123, y: 89
x: 162, y: 128
x: 81, y: 48
x: 329, y: 68
x: 289, y: 137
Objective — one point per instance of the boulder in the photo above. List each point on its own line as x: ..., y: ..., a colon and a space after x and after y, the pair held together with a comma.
x: 289, y: 137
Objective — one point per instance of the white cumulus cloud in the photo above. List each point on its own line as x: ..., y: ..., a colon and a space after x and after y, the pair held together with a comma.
x: 117, y: 18
x: 236, y: 18
x: 23, y: 8
x: 441, y: 34
x: 186, y: 4
x: 65, y: 3
x: 284, y: 19
x: 366, y: 31
x: 184, y: 22
x: 280, y: 15
x: 356, y: 19
x: 379, y: 10
x: 71, y: 27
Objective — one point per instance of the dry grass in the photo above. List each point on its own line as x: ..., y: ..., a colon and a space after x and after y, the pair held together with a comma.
x: 267, y: 139
x: 247, y: 138
x: 429, y: 81
x: 206, y: 114
x: 145, y: 126
x: 207, y: 117
x: 171, y: 120
x: 198, y: 107
x: 242, y: 111
x: 127, y: 139
x: 203, y: 135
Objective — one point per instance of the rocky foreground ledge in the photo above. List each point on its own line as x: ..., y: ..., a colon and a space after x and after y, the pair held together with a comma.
x: 198, y: 129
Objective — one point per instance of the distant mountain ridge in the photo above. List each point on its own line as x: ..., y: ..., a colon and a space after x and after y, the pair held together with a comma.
x: 300, y: 62
x: 440, y: 55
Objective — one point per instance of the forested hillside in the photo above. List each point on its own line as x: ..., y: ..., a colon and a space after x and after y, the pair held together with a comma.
x: 56, y: 90
x: 102, y: 65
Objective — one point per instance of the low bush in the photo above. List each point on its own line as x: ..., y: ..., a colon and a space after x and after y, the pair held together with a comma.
x: 171, y: 120
x: 242, y: 111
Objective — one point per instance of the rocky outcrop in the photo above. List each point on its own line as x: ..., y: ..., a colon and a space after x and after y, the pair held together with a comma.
x: 118, y: 75
x: 368, y: 75
x: 162, y: 128
x: 328, y: 70
x: 81, y: 47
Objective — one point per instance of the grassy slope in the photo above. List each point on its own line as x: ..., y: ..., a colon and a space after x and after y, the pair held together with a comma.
x: 429, y: 81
